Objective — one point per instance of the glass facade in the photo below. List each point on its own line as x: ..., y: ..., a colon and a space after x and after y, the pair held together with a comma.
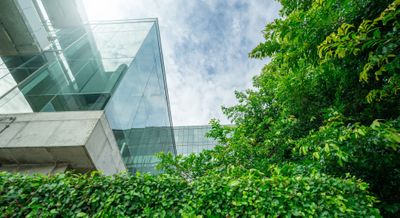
x: 112, y: 66
x: 78, y: 71
x: 192, y: 139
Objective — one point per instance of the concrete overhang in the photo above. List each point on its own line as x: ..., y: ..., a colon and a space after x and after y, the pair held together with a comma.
x: 81, y: 140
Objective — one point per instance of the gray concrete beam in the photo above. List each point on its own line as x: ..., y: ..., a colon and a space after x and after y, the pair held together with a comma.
x: 83, y: 140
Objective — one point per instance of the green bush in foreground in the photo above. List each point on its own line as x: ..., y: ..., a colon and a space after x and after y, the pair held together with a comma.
x: 238, y: 194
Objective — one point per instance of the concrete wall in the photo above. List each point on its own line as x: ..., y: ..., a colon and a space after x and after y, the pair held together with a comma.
x: 83, y: 140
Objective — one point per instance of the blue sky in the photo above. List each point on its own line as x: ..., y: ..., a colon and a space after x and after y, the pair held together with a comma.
x: 205, y: 45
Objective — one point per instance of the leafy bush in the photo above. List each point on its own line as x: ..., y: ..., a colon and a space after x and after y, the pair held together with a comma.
x: 368, y: 152
x: 238, y: 193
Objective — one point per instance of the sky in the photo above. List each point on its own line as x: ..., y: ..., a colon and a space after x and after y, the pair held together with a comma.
x: 205, y: 45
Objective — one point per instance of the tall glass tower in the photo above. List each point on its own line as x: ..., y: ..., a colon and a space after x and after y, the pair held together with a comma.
x: 51, y: 63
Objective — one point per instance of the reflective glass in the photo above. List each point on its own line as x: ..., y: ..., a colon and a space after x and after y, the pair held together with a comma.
x: 139, y: 108
x: 116, y: 67
x: 192, y: 139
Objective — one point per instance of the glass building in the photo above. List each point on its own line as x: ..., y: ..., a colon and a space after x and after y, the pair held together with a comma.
x: 51, y: 63
x: 192, y: 139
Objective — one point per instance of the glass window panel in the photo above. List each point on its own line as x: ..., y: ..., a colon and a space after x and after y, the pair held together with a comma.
x: 15, y: 102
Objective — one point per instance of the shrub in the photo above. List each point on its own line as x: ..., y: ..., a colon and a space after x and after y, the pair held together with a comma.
x: 232, y: 195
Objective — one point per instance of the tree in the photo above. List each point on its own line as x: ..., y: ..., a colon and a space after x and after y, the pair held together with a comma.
x: 328, y: 101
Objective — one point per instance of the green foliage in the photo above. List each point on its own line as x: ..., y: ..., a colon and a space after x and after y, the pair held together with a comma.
x: 379, y: 38
x: 238, y: 193
x: 328, y: 101
x: 94, y: 195
x: 368, y: 152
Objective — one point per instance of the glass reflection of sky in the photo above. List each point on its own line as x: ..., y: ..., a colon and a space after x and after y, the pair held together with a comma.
x: 81, y: 60
x: 139, y: 108
x: 15, y: 99
x: 118, y: 43
x: 147, y: 95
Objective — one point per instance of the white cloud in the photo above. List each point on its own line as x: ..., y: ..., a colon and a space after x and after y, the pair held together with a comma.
x: 205, y: 45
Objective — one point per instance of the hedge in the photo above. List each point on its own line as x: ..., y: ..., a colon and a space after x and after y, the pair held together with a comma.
x: 248, y: 195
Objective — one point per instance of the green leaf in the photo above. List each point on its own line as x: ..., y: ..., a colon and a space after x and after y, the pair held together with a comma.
x: 81, y: 214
